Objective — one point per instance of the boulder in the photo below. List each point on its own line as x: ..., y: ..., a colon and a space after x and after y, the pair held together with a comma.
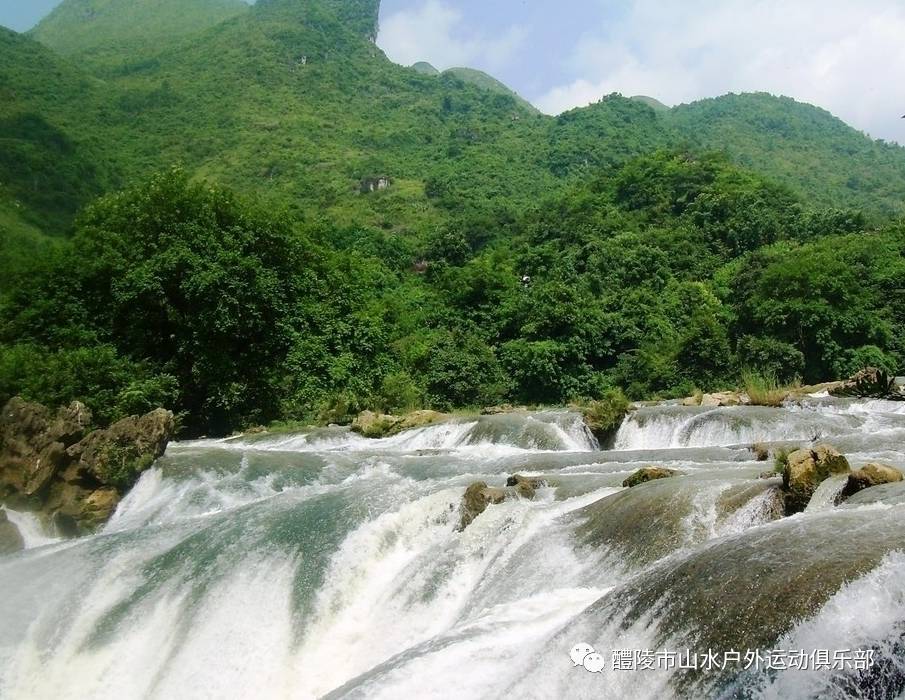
x: 23, y: 419
x: 379, y: 425
x: 502, y: 409
x: 49, y: 463
x: 10, y: 538
x: 374, y: 425
x: 805, y: 470
x: 525, y: 486
x: 64, y: 525
x: 723, y: 398
x: 645, y: 474
x: 870, y: 382
x: 417, y: 419
x: 70, y: 424
x: 604, y: 417
x: 34, y: 442
x: 761, y: 451
x: 475, y: 501
x: 118, y: 455
x: 868, y: 476
x: 40, y: 470
x: 829, y: 461
x: 98, y: 507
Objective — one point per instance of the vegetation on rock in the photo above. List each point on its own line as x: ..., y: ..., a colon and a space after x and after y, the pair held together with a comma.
x: 73, y: 476
x: 645, y: 474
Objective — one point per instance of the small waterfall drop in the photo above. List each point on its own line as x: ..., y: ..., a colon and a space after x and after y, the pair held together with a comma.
x: 323, y: 564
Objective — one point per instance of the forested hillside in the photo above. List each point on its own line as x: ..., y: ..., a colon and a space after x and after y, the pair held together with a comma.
x: 295, y: 228
x: 102, y: 33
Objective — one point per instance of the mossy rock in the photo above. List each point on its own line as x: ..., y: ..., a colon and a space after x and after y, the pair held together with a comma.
x: 645, y: 474
x: 475, y: 501
x: 805, y: 470
x: 869, y: 476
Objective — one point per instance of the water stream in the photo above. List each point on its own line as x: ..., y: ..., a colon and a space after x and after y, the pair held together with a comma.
x: 322, y: 564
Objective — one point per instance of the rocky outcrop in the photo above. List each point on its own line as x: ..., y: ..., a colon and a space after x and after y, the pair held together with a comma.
x: 761, y: 451
x: 645, y: 474
x: 716, y: 400
x: 723, y: 398
x: 502, y: 409
x: 475, y: 501
x: 373, y: 425
x: 478, y: 496
x: 379, y: 425
x: 10, y: 538
x: 605, y: 416
x: 374, y: 184
x: 51, y: 464
x: 417, y: 419
x: 870, y: 382
x: 805, y: 470
x: 526, y: 486
x: 118, y: 455
x: 868, y: 476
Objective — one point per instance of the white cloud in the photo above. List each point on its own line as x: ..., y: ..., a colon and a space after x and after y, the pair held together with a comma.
x: 431, y: 32
x: 848, y: 57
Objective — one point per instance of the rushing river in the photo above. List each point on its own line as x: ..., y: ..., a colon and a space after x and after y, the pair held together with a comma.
x: 326, y: 565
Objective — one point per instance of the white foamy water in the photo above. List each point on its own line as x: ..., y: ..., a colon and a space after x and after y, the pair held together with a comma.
x: 326, y: 565
x: 33, y: 532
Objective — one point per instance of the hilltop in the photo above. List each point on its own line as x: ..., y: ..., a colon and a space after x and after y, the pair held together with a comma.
x: 345, y: 233
x: 291, y: 99
x: 100, y: 33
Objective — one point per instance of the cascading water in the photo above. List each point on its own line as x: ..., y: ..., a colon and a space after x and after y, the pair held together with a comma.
x: 326, y: 565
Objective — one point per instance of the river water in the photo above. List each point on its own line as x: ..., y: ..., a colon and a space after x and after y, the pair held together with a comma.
x: 322, y: 564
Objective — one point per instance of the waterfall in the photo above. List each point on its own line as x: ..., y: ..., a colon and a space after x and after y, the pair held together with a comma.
x: 322, y: 564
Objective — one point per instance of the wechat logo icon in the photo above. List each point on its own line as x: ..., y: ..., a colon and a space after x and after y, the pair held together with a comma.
x: 585, y: 655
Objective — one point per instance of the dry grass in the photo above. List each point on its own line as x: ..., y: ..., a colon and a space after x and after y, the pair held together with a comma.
x: 764, y: 390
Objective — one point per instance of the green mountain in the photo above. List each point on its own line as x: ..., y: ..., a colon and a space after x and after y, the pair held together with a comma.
x: 345, y: 233
x: 100, y: 32
x: 488, y: 82
x: 803, y: 146
x: 292, y: 100
x: 51, y: 150
x: 425, y: 68
x: 651, y: 102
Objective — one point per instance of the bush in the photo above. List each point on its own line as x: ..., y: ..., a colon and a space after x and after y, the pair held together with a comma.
x: 770, y: 357
x: 399, y: 393
x: 111, y: 386
x: 604, y: 416
x: 764, y: 390
x: 854, y: 361
x: 462, y: 370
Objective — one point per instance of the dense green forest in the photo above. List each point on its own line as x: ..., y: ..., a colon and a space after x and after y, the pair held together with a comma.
x: 260, y: 218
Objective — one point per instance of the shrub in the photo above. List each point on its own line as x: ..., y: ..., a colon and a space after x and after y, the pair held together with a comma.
x: 764, y: 390
x: 604, y: 416
x: 770, y: 357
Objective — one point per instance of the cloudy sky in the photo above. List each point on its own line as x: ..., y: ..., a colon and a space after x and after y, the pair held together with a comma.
x: 846, y: 56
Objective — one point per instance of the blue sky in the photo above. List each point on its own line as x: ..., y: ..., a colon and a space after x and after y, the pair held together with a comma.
x: 848, y: 57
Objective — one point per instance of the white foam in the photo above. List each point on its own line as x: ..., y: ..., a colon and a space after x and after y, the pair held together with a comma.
x: 866, y: 613
x: 33, y: 533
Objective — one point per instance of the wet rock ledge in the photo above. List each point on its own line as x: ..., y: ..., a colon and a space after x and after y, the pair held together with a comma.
x: 72, y: 477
